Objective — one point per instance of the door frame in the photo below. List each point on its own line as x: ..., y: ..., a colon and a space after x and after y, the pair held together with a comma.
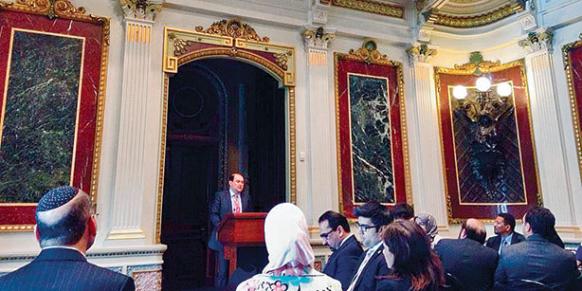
x: 230, y: 39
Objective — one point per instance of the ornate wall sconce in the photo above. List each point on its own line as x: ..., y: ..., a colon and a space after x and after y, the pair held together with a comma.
x: 483, y: 105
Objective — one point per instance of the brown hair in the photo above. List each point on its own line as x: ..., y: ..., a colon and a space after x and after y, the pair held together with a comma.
x: 413, y: 256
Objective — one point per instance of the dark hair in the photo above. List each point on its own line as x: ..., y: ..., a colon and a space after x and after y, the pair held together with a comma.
x: 474, y: 233
x: 231, y: 177
x: 334, y: 220
x: 377, y: 212
x: 413, y: 255
x: 542, y: 222
x: 508, y: 219
x: 69, y: 228
x: 403, y: 211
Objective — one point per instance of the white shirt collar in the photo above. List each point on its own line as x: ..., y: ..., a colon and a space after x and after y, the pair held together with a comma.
x: 345, y: 239
x: 232, y: 192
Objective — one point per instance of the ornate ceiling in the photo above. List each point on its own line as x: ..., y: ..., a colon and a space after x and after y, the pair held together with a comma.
x: 468, y: 13
x: 451, y: 13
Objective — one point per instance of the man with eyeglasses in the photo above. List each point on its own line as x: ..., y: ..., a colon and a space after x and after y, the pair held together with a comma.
x: 335, y: 232
x: 372, y: 216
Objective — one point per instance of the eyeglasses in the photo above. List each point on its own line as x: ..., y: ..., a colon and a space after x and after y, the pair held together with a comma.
x: 325, y: 234
x: 365, y: 227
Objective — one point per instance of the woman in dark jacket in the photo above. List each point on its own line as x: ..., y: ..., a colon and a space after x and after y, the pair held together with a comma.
x: 408, y: 254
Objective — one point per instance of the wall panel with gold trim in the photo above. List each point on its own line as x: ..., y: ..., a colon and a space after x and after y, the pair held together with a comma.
x: 488, y: 147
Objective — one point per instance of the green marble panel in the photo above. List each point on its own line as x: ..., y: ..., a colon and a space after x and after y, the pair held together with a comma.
x: 38, y: 130
x: 370, y: 132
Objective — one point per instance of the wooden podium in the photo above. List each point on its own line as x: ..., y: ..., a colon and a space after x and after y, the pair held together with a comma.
x: 241, y: 230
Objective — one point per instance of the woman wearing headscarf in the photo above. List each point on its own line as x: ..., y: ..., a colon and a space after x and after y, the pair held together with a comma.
x: 291, y: 257
x: 429, y: 224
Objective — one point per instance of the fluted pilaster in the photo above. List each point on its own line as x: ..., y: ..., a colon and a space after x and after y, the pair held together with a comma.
x: 127, y: 204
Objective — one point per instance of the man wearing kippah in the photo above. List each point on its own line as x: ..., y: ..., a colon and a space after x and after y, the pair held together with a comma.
x: 65, y: 230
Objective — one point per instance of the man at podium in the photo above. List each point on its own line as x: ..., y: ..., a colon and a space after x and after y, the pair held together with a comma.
x: 231, y: 200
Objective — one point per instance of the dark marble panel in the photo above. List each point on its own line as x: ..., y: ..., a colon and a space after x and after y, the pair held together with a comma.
x: 38, y: 134
x: 370, y: 133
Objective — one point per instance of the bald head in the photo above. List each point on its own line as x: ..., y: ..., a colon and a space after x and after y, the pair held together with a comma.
x: 474, y: 229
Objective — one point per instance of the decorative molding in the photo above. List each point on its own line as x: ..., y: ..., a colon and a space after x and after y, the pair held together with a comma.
x: 317, y: 38
x: 421, y: 53
x: 371, y: 6
x: 435, y: 16
x: 573, y: 96
x: 90, y: 255
x: 528, y: 22
x: 318, y: 14
x: 233, y: 28
x: 369, y: 53
x: 141, y: 9
x: 537, y: 41
x: 477, y: 65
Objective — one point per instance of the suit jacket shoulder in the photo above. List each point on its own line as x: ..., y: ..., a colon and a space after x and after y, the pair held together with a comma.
x: 64, y: 269
x: 343, y: 263
x: 375, y: 268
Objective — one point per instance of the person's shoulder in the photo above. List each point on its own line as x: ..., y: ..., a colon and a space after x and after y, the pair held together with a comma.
x: 107, y: 275
x: 491, y: 240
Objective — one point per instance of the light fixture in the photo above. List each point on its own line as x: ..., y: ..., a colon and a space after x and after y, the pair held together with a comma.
x: 483, y: 84
x: 504, y: 89
x: 460, y: 92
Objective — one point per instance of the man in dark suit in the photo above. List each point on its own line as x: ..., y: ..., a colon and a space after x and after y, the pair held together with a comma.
x: 231, y: 200
x: 504, y: 227
x: 371, y: 217
x: 536, y: 262
x: 65, y: 230
x: 467, y: 259
x: 335, y: 232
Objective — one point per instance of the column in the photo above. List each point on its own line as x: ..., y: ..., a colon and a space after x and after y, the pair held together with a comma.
x: 548, y: 130
x: 321, y: 138
x: 127, y: 206
x: 424, y: 138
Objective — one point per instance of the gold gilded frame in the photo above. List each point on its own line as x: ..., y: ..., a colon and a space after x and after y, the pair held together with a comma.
x: 573, y: 97
x: 64, y: 9
x: 369, y: 54
x: 371, y: 6
x: 467, y: 70
x: 237, y: 47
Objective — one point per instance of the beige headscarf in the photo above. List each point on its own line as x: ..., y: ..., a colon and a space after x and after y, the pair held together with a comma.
x: 287, y: 239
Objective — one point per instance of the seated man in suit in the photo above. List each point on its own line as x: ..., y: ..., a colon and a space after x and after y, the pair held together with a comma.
x: 65, y: 230
x: 231, y: 200
x: 504, y: 227
x: 372, y: 216
x: 536, y: 261
x: 467, y: 259
x: 335, y: 232
x: 403, y: 211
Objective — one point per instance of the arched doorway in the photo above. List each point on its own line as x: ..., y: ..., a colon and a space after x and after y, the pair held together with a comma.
x: 224, y: 115
x: 209, y: 56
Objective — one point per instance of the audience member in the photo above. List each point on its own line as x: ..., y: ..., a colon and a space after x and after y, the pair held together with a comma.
x: 579, y: 257
x: 403, y: 211
x: 408, y: 254
x: 504, y: 228
x: 471, y: 263
x: 429, y: 224
x: 231, y: 200
x: 536, y: 261
x: 291, y: 257
x: 335, y: 233
x: 372, y: 216
x: 65, y: 230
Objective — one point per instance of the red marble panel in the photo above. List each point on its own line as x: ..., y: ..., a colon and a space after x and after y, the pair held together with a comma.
x: 86, y: 127
x: 458, y: 211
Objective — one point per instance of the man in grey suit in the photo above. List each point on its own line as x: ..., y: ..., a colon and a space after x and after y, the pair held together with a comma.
x: 231, y: 200
x: 536, y: 263
x: 65, y: 230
